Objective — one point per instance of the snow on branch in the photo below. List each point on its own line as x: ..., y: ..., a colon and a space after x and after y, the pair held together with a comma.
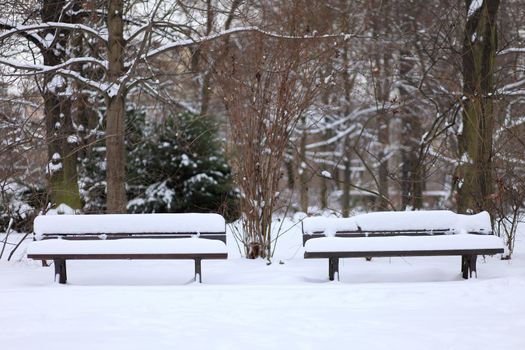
x: 99, y: 86
x: 474, y: 7
x: 351, y: 116
x: 42, y: 69
x: 12, y: 30
x: 511, y: 50
x: 19, y: 28
x: 353, y: 128
x: 189, y: 42
x: 511, y: 87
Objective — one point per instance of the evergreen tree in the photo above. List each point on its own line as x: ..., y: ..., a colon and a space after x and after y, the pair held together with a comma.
x: 173, y: 165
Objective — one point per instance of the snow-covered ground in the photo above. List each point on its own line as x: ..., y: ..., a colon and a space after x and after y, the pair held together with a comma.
x: 409, y: 303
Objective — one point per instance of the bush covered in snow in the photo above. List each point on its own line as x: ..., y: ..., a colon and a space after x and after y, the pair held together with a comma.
x: 178, y: 165
x: 173, y: 165
x: 19, y: 202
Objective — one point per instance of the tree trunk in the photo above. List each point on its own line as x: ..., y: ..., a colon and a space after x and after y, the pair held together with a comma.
x: 115, y: 119
x: 474, y: 174
x: 60, y: 134
x: 347, y: 180
x: 412, y: 171
x: 384, y: 141
x: 62, y: 157
x: 303, y: 174
x: 383, y: 85
x: 348, y: 84
x: 290, y: 174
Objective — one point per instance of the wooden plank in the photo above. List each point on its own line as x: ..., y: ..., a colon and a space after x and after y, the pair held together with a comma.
x: 398, y: 253
x: 352, y: 234
x: 133, y: 233
x: 220, y: 236
x: 307, y: 237
x: 128, y: 256
x: 423, y: 231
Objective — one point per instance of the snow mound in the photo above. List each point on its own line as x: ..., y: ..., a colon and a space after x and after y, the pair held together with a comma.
x: 328, y: 225
x: 403, y: 243
x: 401, y: 220
x: 128, y: 223
x: 128, y: 246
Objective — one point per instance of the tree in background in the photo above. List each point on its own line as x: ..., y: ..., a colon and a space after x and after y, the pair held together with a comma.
x: 475, y: 178
x: 178, y: 165
x: 174, y: 165
x: 50, y: 44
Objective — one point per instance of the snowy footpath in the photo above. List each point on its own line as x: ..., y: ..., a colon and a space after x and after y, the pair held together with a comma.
x: 388, y: 303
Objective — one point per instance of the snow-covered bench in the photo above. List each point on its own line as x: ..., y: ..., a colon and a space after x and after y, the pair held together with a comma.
x: 128, y: 236
x: 391, y: 234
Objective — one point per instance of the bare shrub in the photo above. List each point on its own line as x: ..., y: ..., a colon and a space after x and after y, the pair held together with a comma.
x: 267, y: 87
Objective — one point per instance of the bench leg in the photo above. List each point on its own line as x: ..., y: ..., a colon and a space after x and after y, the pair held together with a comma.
x: 333, y: 268
x: 60, y: 270
x: 468, y: 265
x: 198, y: 270
x: 472, y: 265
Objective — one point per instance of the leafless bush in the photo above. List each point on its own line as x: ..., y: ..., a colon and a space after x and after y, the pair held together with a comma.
x: 267, y: 87
x: 508, y: 208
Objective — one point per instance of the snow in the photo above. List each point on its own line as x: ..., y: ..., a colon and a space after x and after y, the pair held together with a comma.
x: 326, y: 174
x: 387, y: 303
x: 72, y: 139
x: 48, y: 39
x: 185, y: 160
x: 465, y: 159
x: 113, y: 90
x: 61, y: 209
x: 400, y: 243
x: 56, y: 82
x: 474, y: 6
x: 128, y: 223
x: 328, y: 225
x: 53, y: 167
x: 201, y: 178
x: 128, y: 246
x: 404, y: 220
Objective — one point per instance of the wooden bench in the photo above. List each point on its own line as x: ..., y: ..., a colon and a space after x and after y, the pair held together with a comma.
x: 128, y: 236
x: 401, y: 234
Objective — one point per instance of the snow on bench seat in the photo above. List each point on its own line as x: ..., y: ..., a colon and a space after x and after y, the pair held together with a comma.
x: 401, y: 221
x: 193, y: 246
x: 128, y: 223
x: 404, y: 243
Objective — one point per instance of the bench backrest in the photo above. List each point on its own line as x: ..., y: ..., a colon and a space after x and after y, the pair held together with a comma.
x: 413, y: 223
x: 115, y: 226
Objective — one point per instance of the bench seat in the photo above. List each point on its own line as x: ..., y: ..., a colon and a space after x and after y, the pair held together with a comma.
x: 405, y: 245
x: 145, y: 246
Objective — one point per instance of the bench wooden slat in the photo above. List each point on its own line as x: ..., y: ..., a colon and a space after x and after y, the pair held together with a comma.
x: 181, y: 256
x: 357, y: 234
x: 401, y: 253
x: 220, y: 236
